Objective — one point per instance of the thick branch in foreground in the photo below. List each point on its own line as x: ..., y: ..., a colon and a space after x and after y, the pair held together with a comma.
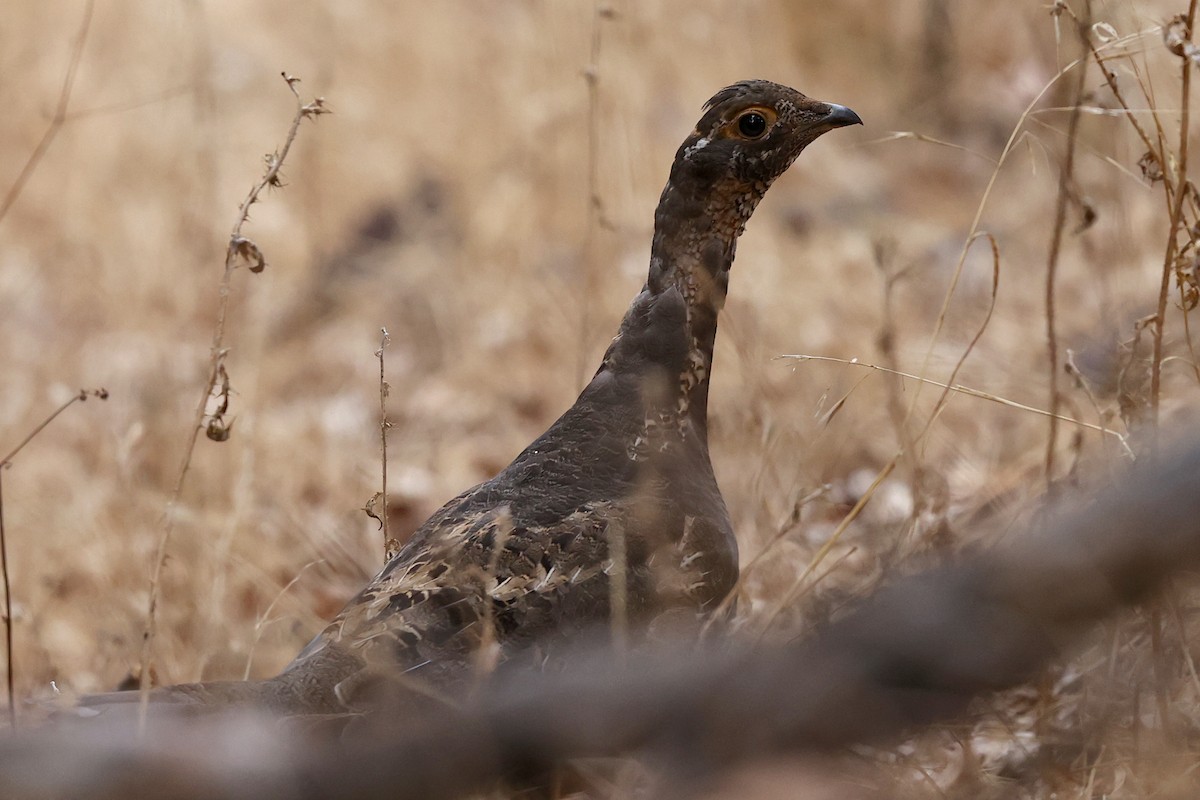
x: 914, y: 654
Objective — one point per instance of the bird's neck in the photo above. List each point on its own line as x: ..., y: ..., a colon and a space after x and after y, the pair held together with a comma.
x: 695, y: 239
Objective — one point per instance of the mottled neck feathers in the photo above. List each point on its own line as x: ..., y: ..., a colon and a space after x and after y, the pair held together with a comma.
x: 750, y: 134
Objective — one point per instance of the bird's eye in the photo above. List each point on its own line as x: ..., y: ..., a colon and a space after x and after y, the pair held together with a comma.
x: 752, y: 125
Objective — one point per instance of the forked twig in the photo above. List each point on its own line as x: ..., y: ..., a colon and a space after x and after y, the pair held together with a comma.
x: 5, y: 462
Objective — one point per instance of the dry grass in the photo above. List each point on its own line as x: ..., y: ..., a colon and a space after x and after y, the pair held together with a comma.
x: 450, y: 200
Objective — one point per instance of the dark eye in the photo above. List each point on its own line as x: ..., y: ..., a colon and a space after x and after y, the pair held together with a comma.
x: 752, y: 124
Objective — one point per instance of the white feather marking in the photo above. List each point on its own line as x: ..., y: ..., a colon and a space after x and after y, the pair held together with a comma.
x: 700, y: 144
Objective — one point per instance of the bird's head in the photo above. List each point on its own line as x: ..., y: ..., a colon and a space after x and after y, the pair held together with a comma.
x: 751, y: 132
x: 749, y: 135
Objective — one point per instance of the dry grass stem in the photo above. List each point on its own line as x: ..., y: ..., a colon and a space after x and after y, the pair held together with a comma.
x: 8, y: 615
x: 896, y: 136
x: 1176, y: 222
x: 973, y: 232
x: 602, y: 12
x: 240, y: 250
x: 57, y: 120
x: 497, y: 250
x: 390, y: 546
x: 265, y: 618
x: 618, y: 583
x: 488, y: 655
x: 788, y: 527
x: 887, y: 343
x: 959, y: 388
x: 81, y: 396
x: 1066, y: 182
x: 789, y: 597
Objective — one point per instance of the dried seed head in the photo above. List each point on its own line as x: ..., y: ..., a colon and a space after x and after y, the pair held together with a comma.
x: 1151, y: 167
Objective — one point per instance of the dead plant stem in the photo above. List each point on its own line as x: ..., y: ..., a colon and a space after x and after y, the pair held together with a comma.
x: 1110, y: 78
x: 1066, y: 178
x: 1175, y: 223
x: 384, y: 340
x: 8, y: 620
x: 56, y: 121
x: 973, y: 233
x: 955, y: 387
x: 237, y: 250
x: 5, y: 462
x: 595, y: 202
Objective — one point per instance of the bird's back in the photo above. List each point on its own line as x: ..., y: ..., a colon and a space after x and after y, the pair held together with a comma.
x: 614, y: 505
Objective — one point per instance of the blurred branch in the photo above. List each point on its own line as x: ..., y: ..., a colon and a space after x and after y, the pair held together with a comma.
x: 914, y: 654
x: 60, y: 115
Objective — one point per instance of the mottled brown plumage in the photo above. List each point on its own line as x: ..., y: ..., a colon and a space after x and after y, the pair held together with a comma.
x: 514, y: 566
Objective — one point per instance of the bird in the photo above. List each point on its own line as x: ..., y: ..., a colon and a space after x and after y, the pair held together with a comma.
x: 614, y: 512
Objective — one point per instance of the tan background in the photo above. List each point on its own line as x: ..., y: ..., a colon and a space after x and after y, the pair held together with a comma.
x: 447, y: 199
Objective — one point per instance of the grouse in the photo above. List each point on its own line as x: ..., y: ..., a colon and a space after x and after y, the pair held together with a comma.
x: 616, y: 503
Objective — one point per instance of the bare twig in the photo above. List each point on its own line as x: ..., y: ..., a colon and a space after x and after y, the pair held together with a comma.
x: 1173, y: 186
x: 390, y: 547
x: 81, y: 396
x: 1110, y: 78
x: 5, y: 462
x: 488, y: 655
x: 974, y: 230
x: 8, y: 620
x: 60, y: 115
x: 886, y: 341
x: 987, y: 318
x: 239, y: 251
x: 1066, y: 178
x: 596, y: 219
x: 916, y: 653
x: 1176, y: 222
x: 618, y: 583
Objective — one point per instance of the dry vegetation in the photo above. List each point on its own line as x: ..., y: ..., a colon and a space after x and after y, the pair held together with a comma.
x: 447, y: 199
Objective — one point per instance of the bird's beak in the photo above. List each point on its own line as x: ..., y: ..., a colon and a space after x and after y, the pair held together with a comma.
x: 840, y: 117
